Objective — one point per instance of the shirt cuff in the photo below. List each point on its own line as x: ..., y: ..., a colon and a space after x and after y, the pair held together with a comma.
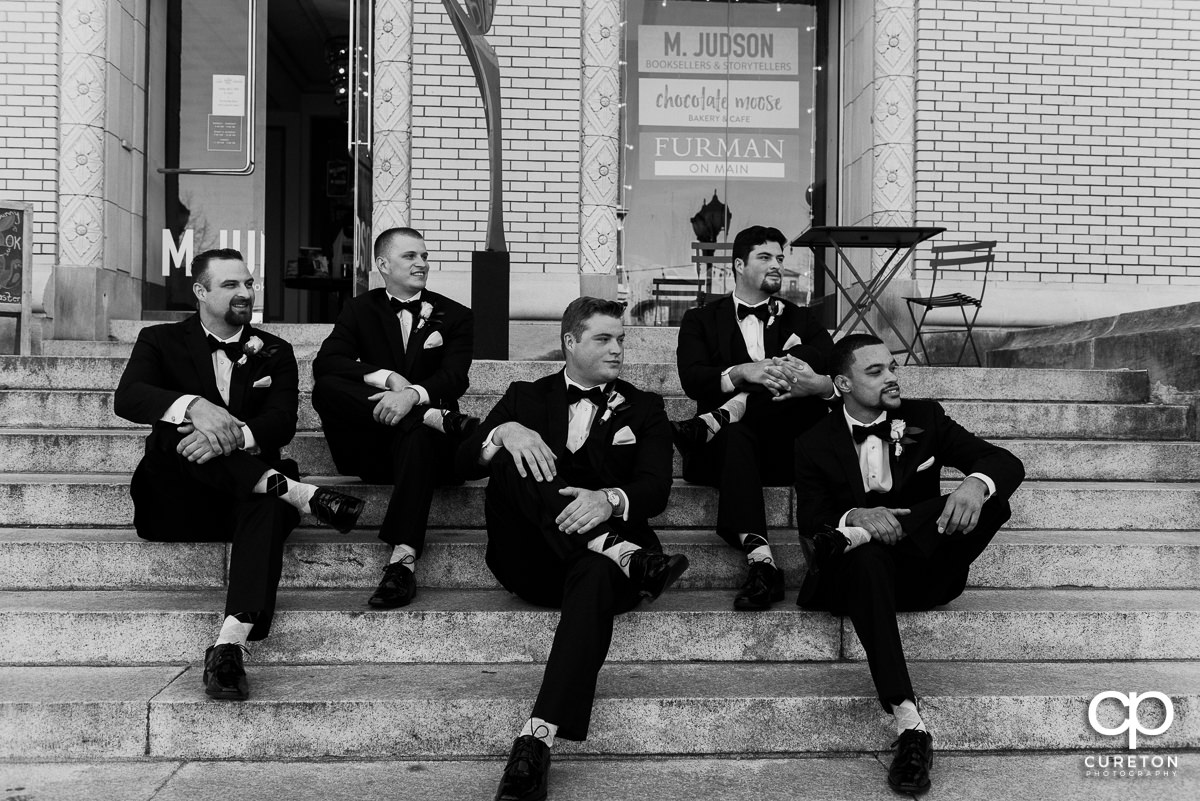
x: 176, y: 413
x: 489, y: 449
x: 251, y: 444
x: 424, y: 396
x: 625, y: 498
x: 378, y: 379
x: 842, y: 519
x: 991, y: 485
x: 726, y: 382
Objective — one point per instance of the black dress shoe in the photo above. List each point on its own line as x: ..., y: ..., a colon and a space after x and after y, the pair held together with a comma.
x: 909, y: 772
x: 653, y: 572
x: 817, y: 548
x: 224, y: 673
x: 689, y: 435
x: 525, y: 775
x: 398, y: 588
x: 764, y: 586
x: 335, y: 508
x: 458, y: 425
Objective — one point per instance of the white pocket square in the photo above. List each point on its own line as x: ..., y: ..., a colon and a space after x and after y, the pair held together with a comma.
x: 792, y: 341
x: 925, y: 465
x: 624, y: 437
x: 262, y: 383
x: 434, y: 341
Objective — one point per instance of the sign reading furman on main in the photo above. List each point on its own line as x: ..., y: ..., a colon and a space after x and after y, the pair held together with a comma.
x: 696, y: 154
x: 741, y: 51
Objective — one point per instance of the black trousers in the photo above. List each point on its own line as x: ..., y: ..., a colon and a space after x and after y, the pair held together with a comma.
x: 872, y: 582
x: 411, y: 456
x: 533, y: 559
x: 179, y: 501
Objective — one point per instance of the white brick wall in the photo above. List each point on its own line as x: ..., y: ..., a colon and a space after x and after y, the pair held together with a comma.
x: 29, y: 114
x: 1069, y: 131
x: 538, y: 45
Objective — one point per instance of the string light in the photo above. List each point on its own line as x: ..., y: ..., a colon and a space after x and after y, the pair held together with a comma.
x: 778, y: 7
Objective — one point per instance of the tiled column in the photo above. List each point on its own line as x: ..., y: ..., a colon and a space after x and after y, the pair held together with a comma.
x: 599, y: 173
x: 392, y: 153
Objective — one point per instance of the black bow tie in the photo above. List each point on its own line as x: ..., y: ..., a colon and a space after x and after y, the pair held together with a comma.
x: 575, y: 394
x: 413, y: 306
x: 232, y: 349
x: 761, y: 311
x: 882, y: 430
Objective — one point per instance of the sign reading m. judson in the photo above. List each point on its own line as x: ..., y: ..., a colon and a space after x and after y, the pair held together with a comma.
x: 1125, y: 718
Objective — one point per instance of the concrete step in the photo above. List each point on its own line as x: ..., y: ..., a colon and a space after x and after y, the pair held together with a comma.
x: 861, y: 776
x: 101, y: 501
x: 322, y: 627
x: 81, y: 409
x: 62, y: 450
x: 472, y: 711
x: 951, y: 383
x: 116, y: 559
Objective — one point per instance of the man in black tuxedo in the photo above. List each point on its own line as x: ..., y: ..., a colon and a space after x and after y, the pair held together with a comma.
x: 755, y: 365
x: 579, y: 461
x: 387, y: 383
x: 877, y: 534
x: 222, y: 397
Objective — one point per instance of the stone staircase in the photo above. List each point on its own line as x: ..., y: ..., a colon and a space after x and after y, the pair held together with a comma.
x: 1094, y: 585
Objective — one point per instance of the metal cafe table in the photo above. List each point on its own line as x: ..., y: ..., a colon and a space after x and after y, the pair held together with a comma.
x: 900, y: 239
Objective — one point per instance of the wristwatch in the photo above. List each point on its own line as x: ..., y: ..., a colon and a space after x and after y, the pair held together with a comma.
x: 614, y: 498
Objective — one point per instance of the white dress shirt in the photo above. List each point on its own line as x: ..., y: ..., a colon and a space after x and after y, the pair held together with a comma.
x: 752, y: 333
x: 379, y: 378
x: 176, y: 413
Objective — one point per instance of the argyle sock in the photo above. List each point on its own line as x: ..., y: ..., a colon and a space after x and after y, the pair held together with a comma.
x: 433, y: 419
x: 540, y: 729
x: 405, y: 555
x: 757, y: 548
x: 731, y: 411
x: 856, y: 536
x: 295, y: 493
x: 907, y: 717
x: 615, y: 548
x: 235, y: 630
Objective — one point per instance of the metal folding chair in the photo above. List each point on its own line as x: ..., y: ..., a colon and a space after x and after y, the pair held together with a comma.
x: 975, y: 257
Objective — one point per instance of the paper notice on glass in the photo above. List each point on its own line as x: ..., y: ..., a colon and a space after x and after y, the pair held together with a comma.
x: 229, y: 95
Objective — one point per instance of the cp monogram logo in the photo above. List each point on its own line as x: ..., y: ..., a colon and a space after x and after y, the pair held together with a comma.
x: 1131, y: 723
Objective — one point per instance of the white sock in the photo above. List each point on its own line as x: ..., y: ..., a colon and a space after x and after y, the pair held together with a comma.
x: 433, y: 419
x: 760, y: 549
x: 234, y: 631
x: 540, y: 729
x: 907, y: 717
x: 614, y: 548
x: 405, y: 555
x: 296, y: 493
x: 857, y: 536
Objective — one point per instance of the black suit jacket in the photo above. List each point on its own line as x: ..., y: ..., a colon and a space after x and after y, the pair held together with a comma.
x: 173, y: 359
x: 641, y: 469
x: 367, y: 337
x: 829, y: 482
x: 710, y: 341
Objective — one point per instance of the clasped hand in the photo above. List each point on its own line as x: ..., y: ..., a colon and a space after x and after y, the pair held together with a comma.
x: 802, y: 380
x: 882, y: 524
x: 211, y: 432
x: 392, y: 406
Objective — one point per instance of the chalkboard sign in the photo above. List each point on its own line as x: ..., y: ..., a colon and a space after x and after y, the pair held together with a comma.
x: 16, y: 255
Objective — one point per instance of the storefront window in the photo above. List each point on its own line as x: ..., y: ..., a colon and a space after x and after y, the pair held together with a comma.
x: 719, y: 134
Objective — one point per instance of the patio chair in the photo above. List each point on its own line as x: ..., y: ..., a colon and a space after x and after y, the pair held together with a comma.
x: 708, y: 256
x: 976, y: 257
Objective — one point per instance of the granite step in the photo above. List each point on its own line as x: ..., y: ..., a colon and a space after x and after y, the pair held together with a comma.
x: 84, y: 409
x: 62, y: 450
x: 492, y: 377
x: 117, y: 559
x: 102, y: 501
x: 471, y: 711
x: 324, y: 627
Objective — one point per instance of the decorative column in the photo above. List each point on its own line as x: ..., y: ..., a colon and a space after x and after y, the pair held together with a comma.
x: 600, y: 148
x: 392, y: 103
x: 893, y: 177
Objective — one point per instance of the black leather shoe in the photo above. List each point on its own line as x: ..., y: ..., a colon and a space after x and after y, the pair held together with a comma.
x: 526, y: 774
x: 764, y: 586
x: 689, y: 434
x: 398, y: 588
x: 335, y: 508
x: 909, y: 772
x: 224, y: 673
x: 653, y: 572
x: 817, y: 548
x: 458, y: 425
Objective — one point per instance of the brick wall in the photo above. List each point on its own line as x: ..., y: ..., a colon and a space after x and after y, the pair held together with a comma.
x: 538, y: 45
x: 1069, y: 131
x: 29, y: 114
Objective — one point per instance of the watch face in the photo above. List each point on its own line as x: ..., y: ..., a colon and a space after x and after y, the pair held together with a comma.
x: 614, y: 499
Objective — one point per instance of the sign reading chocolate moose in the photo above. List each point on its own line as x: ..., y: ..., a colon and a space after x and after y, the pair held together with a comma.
x: 15, y: 251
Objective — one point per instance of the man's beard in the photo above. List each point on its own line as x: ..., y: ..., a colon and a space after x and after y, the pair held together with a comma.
x: 771, y: 285
x: 239, y: 317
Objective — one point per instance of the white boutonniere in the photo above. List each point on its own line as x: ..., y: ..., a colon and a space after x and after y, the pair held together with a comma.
x: 615, y: 403
x: 426, y: 313
x: 774, y: 307
x: 253, y: 347
x: 898, y: 438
